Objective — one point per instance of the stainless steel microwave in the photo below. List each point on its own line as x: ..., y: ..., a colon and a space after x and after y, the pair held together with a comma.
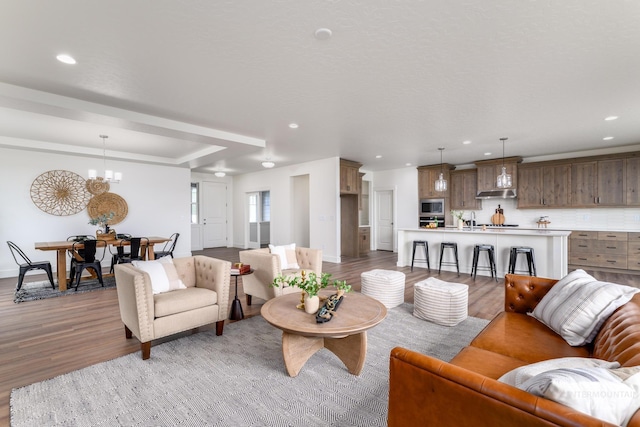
x: 430, y: 207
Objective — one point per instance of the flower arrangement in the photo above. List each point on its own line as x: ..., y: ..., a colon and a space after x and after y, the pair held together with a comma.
x: 311, y: 283
x: 457, y: 214
x: 102, y: 220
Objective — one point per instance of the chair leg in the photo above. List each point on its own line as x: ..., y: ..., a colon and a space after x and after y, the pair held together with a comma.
x: 128, y: 333
x: 20, y: 279
x: 145, y: 349
x: 219, y: 327
x: 248, y: 299
x: 99, y: 274
x: 77, y: 279
x: 50, y: 274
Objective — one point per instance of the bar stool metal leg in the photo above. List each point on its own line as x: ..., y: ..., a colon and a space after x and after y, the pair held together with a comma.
x: 425, y: 245
x: 450, y: 245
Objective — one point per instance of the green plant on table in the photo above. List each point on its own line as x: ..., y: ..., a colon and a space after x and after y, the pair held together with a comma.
x: 310, y: 282
x: 102, y: 220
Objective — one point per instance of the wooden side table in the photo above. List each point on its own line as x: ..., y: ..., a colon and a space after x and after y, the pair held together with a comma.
x: 236, y: 312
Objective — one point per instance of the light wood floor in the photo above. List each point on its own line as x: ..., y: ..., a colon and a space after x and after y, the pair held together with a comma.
x: 43, y: 339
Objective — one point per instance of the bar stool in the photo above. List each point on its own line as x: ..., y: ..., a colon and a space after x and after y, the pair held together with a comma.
x: 450, y: 245
x: 490, y: 254
x: 425, y: 245
x: 513, y: 258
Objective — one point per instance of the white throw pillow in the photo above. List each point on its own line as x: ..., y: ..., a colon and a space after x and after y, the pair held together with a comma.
x: 518, y: 376
x: 282, y: 251
x: 577, y: 306
x: 594, y: 391
x: 163, y: 274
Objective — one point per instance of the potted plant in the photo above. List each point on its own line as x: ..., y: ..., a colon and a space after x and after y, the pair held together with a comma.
x: 102, y: 221
x: 458, y: 215
x: 310, y: 284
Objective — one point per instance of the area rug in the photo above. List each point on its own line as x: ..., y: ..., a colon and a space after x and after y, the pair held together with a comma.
x: 237, y: 379
x: 42, y: 290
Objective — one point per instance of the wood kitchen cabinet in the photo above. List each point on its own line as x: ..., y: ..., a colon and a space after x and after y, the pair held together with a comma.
x: 598, y: 249
x: 632, y: 166
x: 598, y: 182
x: 364, y: 238
x: 464, y: 188
x: 544, y: 185
x: 427, y: 176
x: 349, y: 177
x: 488, y: 171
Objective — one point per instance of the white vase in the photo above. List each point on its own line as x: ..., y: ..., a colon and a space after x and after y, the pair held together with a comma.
x: 460, y: 224
x: 311, y: 304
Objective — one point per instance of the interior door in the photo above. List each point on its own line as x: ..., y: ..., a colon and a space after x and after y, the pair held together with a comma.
x: 214, y: 214
x: 253, y: 214
x: 384, y: 220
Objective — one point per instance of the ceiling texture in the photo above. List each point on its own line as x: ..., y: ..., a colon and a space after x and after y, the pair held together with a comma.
x: 214, y: 85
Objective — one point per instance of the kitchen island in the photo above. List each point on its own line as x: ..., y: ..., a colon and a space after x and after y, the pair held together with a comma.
x: 550, y: 247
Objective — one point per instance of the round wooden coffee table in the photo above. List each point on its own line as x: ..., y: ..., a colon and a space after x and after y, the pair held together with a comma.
x: 345, y: 335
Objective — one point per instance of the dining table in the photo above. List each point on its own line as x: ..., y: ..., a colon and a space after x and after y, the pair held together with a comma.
x: 61, y: 247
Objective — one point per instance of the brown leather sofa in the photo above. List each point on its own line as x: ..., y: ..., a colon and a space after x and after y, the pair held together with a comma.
x: 465, y: 392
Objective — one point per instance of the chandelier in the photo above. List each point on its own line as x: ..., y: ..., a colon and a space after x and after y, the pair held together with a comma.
x: 441, y: 183
x: 109, y: 175
x: 504, y: 179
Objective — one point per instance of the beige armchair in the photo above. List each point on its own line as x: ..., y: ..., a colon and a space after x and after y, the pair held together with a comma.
x: 150, y: 316
x: 266, y: 267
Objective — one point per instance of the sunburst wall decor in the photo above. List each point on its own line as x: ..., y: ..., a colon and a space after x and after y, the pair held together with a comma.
x: 60, y: 192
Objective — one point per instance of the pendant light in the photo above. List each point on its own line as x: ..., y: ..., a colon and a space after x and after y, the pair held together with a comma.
x: 109, y: 175
x: 504, y: 179
x: 441, y: 183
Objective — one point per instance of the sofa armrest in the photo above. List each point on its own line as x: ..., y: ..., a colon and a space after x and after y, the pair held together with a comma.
x: 135, y: 298
x: 214, y: 274
x: 309, y: 259
x: 266, y: 266
x: 425, y: 390
x: 523, y: 293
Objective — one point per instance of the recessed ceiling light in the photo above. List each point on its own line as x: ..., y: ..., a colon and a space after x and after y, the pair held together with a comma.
x: 407, y: 164
x: 323, y: 34
x: 219, y: 174
x: 67, y: 59
x: 378, y: 156
x: 467, y: 142
x: 268, y: 164
x: 607, y: 138
x: 487, y: 153
x: 293, y: 125
x: 611, y: 118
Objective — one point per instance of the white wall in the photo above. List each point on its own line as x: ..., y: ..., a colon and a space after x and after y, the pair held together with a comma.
x: 324, y: 204
x: 158, y: 199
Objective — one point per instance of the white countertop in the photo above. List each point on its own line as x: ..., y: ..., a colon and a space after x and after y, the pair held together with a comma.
x: 494, y: 230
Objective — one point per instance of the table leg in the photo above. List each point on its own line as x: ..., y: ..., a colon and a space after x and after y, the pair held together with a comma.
x: 351, y: 350
x: 297, y: 349
x: 236, y: 306
x: 62, y: 269
x: 151, y: 255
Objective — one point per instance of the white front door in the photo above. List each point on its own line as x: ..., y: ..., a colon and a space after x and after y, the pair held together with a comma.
x: 384, y: 220
x: 253, y: 210
x: 214, y: 214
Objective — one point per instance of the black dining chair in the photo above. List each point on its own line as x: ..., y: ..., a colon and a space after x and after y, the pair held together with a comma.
x: 137, y: 249
x: 120, y: 252
x: 87, y: 260
x: 26, y: 264
x: 168, y: 247
x: 79, y: 238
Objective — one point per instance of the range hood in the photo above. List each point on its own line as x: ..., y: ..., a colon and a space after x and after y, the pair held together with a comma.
x: 497, y: 194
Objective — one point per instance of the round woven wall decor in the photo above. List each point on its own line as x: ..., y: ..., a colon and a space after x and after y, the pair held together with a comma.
x: 60, y: 193
x: 108, y: 202
x: 97, y: 186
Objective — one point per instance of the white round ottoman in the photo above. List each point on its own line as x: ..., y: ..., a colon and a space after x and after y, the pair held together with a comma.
x: 384, y: 285
x: 441, y: 302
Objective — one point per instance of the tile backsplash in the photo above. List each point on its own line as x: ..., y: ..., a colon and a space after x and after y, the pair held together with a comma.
x: 621, y: 219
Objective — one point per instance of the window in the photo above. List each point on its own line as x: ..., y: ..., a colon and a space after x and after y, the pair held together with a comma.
x: 194, y: 203
x: 266, y: 206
